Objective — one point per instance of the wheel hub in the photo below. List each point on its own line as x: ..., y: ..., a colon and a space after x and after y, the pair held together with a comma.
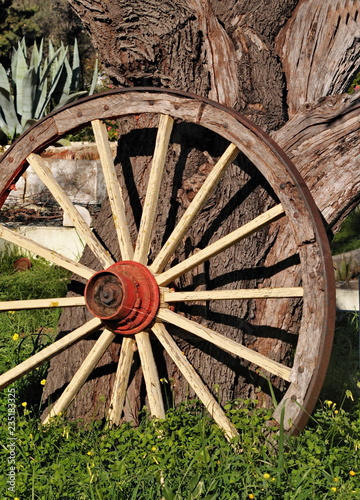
x: 125, y: 297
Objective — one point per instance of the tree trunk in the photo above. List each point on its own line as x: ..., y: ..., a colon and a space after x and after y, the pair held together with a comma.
x: 271, y: 60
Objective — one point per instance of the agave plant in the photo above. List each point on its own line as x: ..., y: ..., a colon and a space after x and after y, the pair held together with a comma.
x: 29, y: 90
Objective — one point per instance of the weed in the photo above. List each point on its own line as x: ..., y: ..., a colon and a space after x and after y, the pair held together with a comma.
x: 184, y: 457
x: 344, y: 371
x: 348, y: 238
x: 187, y: 457
x: 25, y: 332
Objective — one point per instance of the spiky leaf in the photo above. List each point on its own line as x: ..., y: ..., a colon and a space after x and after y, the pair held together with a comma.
x: 76, y: 69
x: 19, y: 72
x: 4, y: 81
x: 94, y: 78
x: 12, y: 125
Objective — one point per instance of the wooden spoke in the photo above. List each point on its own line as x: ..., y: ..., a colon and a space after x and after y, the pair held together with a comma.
x: 50, y: 255
x: 250, y: 293
x: 82, y: 374
x: 113, y: 189
x: 46, y: 176
x: 141, y: 251
x: 225, y: 343
x: 215, y: 248
x: 194, y: 208
x: 194, y: 381
x: 18, y: 305
x: 153, y: 189
x: 122, y: 376
x: 151, y: 376
x: 118, y: 209
x: 49, y: 352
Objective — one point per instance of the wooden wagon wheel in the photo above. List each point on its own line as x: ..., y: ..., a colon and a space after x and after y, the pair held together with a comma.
x: 132, y: 297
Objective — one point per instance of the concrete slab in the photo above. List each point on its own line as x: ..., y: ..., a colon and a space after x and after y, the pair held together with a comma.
x: 64, y: 240
x: 347, y: 300
x: 82, y: 180
x: 77, y: 169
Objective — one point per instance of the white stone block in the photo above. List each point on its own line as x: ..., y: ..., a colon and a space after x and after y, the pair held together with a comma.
x: 85, y: 214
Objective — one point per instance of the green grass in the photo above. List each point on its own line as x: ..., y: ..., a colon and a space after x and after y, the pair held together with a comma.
x: 343, y: 373
x: 23, y: 333
x: 348, y: 238
x: 184, y: 457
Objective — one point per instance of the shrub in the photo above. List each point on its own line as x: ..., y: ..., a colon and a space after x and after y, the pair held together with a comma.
x: 37, y: 84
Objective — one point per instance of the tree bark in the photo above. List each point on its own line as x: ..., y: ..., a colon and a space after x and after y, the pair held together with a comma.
x: 271, y: 60
x: 319, y: 48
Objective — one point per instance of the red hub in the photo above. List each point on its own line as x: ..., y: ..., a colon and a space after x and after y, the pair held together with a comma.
x: 125, y: 297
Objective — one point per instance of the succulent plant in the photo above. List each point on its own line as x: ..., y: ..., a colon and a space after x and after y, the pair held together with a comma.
x: 29, y: 90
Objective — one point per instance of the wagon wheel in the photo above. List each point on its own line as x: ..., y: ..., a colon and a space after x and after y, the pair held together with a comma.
x: 134, y: 297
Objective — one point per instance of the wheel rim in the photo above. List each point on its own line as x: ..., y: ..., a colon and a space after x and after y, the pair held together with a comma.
x: 306, y: 374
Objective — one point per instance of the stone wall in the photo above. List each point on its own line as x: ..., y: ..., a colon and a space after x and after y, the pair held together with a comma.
x: 77, y: 169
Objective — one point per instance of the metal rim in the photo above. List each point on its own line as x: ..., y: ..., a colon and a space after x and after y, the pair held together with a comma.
x: 124, y: 296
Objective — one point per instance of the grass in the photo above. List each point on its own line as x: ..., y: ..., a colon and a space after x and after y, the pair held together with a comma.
x: 343, y: 373
x: 348, y: 238
x: 184, y: 457
x: 23, y: 333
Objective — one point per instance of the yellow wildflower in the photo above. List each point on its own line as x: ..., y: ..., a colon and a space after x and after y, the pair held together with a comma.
x: 43, y: 381
x: 89, y: 453
x: 251, y: 496
x: 24, y: 404
x: 15, y: 336
x: 352, y: 473
x: 336, y: 479
x: 349, y: 395
x: 266, y: 476
x: 333, y: 489
x: 154, y: 448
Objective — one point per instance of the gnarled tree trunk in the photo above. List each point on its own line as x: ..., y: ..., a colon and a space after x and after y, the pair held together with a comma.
x: 283, y: 64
